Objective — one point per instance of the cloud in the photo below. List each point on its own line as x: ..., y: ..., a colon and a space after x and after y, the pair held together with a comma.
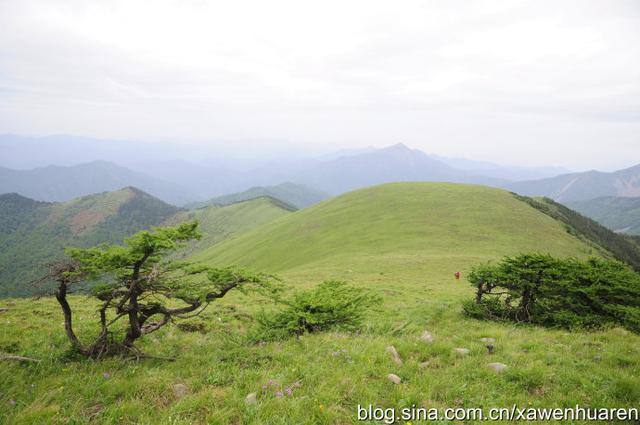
x: 486, y: 78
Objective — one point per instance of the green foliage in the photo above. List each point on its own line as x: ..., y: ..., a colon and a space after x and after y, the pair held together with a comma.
x: 332, y: 305
x: 145, y: 248
x: 569, y: 293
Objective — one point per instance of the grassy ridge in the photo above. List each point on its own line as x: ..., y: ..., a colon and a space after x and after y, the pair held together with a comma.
x: 412, y: 218
x: 219, y: 223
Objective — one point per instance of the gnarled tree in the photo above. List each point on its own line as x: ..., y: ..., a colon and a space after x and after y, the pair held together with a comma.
x: 560, y: 292
x: 139, y: 287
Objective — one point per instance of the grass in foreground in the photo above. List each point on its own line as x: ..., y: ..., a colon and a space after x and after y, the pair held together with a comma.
x: 219, y: 368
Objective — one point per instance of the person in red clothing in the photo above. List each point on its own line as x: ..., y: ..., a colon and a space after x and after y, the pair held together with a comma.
x: 457, y: 275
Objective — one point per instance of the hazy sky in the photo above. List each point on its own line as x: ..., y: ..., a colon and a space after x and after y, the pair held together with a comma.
x: 525, y: 82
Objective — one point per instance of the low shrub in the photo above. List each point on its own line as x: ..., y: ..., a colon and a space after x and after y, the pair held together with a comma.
x: 568, y: 293
x: 332, y: 305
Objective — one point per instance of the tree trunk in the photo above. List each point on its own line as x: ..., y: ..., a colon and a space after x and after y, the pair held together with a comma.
x: 61, y: 296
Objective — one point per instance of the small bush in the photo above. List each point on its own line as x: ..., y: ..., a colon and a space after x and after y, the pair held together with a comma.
x: 568, y: 293
x: 332, y: 305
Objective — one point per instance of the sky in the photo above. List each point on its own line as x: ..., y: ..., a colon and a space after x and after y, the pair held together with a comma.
x: 541, y: 82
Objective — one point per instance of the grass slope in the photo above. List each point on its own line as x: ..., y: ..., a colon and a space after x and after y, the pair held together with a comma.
x: 218, y: 223
x: 618, y: 214
x: 433, y: 219
x: 403, y: 241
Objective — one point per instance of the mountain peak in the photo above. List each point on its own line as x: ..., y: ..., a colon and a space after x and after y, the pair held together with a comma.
x: 399, y: 147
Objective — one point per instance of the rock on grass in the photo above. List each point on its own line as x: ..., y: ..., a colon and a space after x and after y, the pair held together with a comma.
x: 180, y: 390
x: 394, y: 378
x: 498, y: 367
x: 427, y: 337
x: 394, y: 354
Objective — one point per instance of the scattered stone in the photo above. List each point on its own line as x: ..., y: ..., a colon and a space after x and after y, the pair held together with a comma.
x: 106, y: 375
x: 427, y: 337
x: 251, y: 398
x: 597, y: 357
x: 394, y: 378
x: 498, y: 367
x: 91, y: 412
x: 539, y: 391
x: 490, y: 348
x: 180, y: 390
x: 488, y: 340
x: 424, y: 365
x: 12, y: 402
x: 3, y: 309
x: 394, y: 354
x: 461, y: 351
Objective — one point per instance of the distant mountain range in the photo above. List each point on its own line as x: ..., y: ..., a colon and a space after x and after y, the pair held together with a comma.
x: 396, y: 163
x: 180, y: 182
x: 180, y: 174
x: 56, y: 183
x: 504, y: 172
x: 583, y: 186
x: 296, y: 195
x: 193, y: 179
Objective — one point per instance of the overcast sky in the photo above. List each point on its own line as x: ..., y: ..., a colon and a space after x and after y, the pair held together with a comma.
x: 524, y: 82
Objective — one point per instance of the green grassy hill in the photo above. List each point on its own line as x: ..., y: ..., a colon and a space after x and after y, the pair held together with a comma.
x: 403, y: 242
x: 218, y: 223
x: 409, y: 219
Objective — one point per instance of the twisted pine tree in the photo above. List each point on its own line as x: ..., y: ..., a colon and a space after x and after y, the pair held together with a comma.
x: 140, y: 289
x: 560, y: 292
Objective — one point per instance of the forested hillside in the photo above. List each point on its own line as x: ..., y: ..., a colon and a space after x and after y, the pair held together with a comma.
x: 34, y: 233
